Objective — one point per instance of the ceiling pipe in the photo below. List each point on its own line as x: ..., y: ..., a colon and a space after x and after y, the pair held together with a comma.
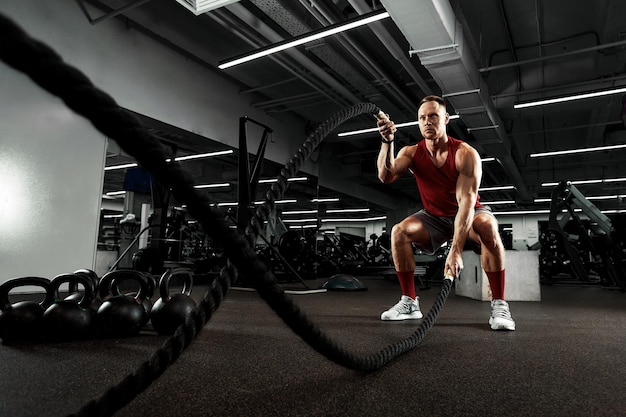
x: 226, y: 19
x: 251, y: 20
x: 323, y: 16
x: 387, y: 40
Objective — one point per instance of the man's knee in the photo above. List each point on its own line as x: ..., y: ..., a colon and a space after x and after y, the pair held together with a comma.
x: 486, y: 227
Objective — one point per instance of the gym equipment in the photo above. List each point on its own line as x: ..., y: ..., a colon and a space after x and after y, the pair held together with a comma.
x: 148, y: 259
x: 66, y: 320
x: 344, y: 282
x: 147, y: 302
x: 590, y: 249
x: 121, y: 315
x: 171, y: 310
x: 74, y: 294
x: 22, y: 321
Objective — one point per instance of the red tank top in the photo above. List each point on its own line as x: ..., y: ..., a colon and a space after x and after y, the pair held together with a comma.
x: 437, y: 186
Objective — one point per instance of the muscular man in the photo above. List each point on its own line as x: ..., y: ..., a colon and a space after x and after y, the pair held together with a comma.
x: 448, y: 173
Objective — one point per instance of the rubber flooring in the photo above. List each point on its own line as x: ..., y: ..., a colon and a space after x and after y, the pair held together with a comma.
x: 566, y: 358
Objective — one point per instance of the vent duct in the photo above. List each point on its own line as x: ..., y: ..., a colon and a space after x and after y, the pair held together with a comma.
x: 198, y: 7
x: 437, y: 38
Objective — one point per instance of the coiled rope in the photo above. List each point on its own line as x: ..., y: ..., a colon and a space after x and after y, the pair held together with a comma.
x: 46, y: 68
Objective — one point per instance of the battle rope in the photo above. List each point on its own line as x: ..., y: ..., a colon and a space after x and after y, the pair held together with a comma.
x: 46, y: 68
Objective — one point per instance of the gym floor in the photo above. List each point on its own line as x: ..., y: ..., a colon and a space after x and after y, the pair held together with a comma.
x: 566, y: 358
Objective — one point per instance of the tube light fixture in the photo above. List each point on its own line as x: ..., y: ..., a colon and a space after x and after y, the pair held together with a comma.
x: 553, y: 184
x: 214, y: 185
x: 121, y: 166
x: 272, y: 180
x: 498, y: 188
x: 569, y: 98
x: 202, y: 155
x: 179, y: 158
x: 572, y: 151
x: 278, y: 201
x: 113, y: 193
x: 375, y: 129
x: 366, y: 219
x: 354, y: 210
x: 519, y: 212
x: 299, y: 212
x: 324, y: 200
x: 307, y: 37
x: 299, y: 220
x: 493, y: 203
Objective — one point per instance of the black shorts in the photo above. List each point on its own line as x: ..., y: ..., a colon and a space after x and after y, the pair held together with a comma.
x: 441, y: 229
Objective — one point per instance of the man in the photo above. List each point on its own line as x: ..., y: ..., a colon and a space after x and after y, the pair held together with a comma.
x: 448, y: 174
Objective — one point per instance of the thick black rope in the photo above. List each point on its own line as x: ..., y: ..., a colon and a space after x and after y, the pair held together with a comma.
x: 46, y: 68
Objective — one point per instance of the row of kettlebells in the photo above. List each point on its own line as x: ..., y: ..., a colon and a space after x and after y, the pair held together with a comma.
x: 99, y: 310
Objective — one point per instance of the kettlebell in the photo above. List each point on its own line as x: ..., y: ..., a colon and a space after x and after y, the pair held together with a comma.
x: 171, y: 310
x: 121, y: 315
x: 74, y: 293
x: 22, y: 321
x: 147, y: 302
x: 64, y: 319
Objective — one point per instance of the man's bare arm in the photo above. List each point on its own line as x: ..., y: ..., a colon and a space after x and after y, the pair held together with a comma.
x: 391, y: 168
x: 470, y: 173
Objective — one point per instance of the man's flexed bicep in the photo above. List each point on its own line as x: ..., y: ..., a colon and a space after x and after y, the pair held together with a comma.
x: 468, y: 164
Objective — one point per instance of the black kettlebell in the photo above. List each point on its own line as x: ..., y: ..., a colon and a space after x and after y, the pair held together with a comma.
x: 74, y: 293
x: 121, y: 315
x: 69, y: 319
x: 22, y: 321
x: 171, y: 310
x: 147, y: 302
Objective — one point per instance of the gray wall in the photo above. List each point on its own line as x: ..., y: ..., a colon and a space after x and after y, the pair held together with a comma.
x: 51, y: 160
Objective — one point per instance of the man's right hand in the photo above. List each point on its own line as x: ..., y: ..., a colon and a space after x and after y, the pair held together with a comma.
x: 386, y: 128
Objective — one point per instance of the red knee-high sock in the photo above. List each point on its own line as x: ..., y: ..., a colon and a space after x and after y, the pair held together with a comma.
x: 407, y: 283
x: 496, y: 283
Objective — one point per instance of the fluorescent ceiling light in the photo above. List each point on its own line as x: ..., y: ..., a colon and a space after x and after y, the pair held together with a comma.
x: 270, y: 180
x: 299, y: 220
x: 354, y: 210
x: 198, y: 7
x: 498, y: 188
x: 278, y: 201
x: 111, y: 193
x: 202, y: 155
x: 300, y: 212
x: 312, y: 36
x: 582, y: 150
x: 122, y: 166
x: 375, y: 129
x: 324, y: 200
x: 518, y: 212
x: 179, y: 158
x: 493, y: 203
x: 569, y: 98
x: 553, y: 184
x: 214, y: 185
x: 366, y: 219
x: 113, y: 216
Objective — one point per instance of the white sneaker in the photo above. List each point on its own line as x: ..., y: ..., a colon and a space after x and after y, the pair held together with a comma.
x: 406, y: 309
x: 501, y: 316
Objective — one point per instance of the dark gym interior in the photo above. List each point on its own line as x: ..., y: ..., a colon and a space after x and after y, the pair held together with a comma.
x: 183, y: 237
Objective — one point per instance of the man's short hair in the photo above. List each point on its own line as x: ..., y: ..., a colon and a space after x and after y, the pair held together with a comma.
x: 433, y: 98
